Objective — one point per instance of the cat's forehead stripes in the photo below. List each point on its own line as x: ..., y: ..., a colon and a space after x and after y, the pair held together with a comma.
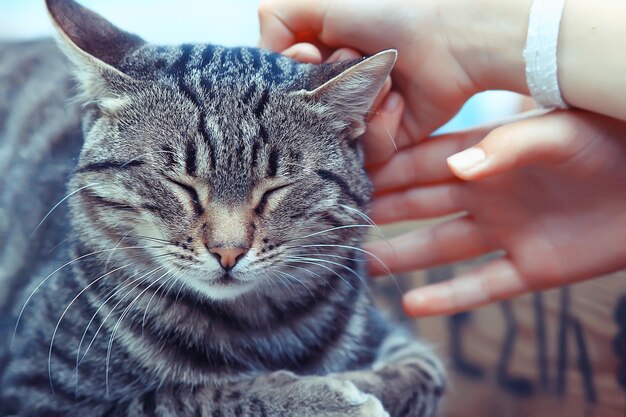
x: 230, y: 89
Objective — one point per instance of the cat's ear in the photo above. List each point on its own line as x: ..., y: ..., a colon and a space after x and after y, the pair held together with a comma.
x: 351, y: 93
x: 95, y: 45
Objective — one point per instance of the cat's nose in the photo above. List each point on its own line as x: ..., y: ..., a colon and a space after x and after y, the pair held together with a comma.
x: 228, y: 257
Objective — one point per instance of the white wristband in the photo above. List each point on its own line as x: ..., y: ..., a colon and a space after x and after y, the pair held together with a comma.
x: 540, y: 53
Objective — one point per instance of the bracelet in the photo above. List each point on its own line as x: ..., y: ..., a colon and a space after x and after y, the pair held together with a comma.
x: 540, y: 53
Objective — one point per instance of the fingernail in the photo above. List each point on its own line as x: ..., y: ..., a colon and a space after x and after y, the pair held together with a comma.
x: 426, y: 299
x: 392, y: 102
x: 467, y: 160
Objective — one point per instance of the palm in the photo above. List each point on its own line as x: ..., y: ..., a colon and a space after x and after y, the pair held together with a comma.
x: 560, y: 220
x: 550, y: 220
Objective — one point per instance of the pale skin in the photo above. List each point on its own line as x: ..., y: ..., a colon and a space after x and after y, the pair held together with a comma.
x: 548, y: 192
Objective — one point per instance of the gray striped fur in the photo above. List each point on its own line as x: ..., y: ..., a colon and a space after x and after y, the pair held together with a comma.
x: 168, y: 153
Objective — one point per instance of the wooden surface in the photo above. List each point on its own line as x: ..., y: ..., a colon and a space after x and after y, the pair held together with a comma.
x: 543, y: 354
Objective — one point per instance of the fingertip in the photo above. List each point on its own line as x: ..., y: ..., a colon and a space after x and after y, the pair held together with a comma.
x: 394, y: 102
x: 380, y: 139
x: 427, y: 301
x: 344, y: 54
x: 415, y: 304
x: 469, y: 164
x: 304, y: 52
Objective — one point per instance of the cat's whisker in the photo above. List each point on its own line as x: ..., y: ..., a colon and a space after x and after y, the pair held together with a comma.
x: 108, y: 297
x: 59, y: 203
x: 116, y: 327
x: 307, y: 270
x: 170, y: 287
x: 111, y: 254
x: 321, y: 266
x: 19, y: 316
x: 391, y: 139
x: 178, y: 293
x: 314, y: 273
x: 69, y: 238
x: 332, y: 255
x: 180, y: 288
x: 348, y: 226
x: 368, y: 219
x: 347, y: 268
x: 156, y: 239
x: 286, y: 283
x: 376, y: 258
x: 56, y: 328
x: 118, y: 289
x: 390, y: 136
x: 145, y: 314
x: 139, y: 281
x: 360, y: 213
x: 330, y: 245
x: 298, y: 281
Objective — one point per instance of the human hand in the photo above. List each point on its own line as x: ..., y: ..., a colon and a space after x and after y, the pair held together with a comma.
x: 426, y: 75
x: 550, y: 193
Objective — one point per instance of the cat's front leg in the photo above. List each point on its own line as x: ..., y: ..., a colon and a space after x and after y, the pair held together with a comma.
x: 280, y: 394
x: 407, y: 377
x: 286, y: 394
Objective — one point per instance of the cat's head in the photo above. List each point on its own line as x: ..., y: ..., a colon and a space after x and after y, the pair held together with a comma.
x: 227, y: 169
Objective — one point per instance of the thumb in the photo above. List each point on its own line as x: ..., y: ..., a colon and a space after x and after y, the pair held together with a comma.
x: 551, y: 138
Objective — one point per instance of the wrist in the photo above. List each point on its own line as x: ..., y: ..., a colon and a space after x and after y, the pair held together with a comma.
x: 487, y: 39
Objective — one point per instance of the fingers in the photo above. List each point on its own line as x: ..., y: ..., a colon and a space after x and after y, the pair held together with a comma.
x: 304, y: 52
x: 382, y: 128
x: 286, y: 22
x: 442, y: 243
x: 416, y: 203
x: 493, y: 281
x: 344, y: 54
x: 420, y: 164
x: 551, y: 138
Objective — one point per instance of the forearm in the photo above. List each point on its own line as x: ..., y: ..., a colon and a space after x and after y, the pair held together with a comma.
x: 488, y: 37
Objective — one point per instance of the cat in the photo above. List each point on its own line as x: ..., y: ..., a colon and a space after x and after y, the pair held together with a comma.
x: 205, y: 258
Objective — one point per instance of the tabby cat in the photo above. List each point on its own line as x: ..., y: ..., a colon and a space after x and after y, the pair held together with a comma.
x: 206, y: 259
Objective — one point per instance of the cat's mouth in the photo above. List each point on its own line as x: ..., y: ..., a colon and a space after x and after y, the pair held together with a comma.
x: 226, y: 279
x: 221, y: 286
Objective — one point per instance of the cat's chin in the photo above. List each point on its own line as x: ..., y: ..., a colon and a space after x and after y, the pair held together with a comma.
x: 222, y: 288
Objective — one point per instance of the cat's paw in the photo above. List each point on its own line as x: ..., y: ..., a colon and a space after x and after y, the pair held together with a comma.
x: 331, y: 397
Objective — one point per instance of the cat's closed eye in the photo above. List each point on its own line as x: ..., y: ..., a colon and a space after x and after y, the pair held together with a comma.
x: 262, y: 204
x: 193, y: 194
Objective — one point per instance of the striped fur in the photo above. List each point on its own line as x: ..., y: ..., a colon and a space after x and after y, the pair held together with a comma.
x: 170, y: 153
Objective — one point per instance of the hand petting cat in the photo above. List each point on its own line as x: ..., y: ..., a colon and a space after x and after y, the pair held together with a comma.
x: 550, y: 195
x: 547, y: 192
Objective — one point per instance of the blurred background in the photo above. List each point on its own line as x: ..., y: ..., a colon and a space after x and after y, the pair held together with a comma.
x: 555, y: 353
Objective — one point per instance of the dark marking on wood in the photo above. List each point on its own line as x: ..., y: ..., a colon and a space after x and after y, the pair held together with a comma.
x: 516, y: 385
x: 561, y: 379
x: 584, y: 363
x: 542, y: 342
